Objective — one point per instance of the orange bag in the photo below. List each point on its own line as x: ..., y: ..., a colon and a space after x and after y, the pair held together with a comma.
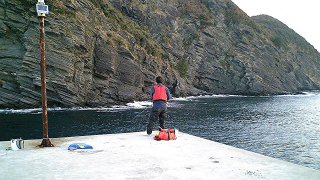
x: 166, y: 134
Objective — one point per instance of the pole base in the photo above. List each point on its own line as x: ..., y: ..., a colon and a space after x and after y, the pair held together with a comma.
x: 46, y: 143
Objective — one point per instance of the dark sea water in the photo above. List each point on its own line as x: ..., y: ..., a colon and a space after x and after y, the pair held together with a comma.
x: 285, y: 127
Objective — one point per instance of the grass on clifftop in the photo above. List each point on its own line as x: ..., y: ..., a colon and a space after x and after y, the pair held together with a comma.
x: 235, y: 15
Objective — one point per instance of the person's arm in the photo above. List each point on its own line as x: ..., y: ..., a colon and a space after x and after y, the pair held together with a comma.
x: 151, y: 92
x: 168, y: 93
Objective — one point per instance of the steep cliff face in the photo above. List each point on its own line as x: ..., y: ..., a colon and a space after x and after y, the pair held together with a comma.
x: 225, y: 50
x: 300, y: 59
x: 90, y: 61
x: 109, y: 52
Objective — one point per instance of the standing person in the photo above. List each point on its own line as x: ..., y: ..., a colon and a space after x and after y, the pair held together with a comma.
x: 159, y: 94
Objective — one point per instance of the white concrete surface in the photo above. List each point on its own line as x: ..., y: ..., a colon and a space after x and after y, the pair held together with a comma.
x: 138, y: 156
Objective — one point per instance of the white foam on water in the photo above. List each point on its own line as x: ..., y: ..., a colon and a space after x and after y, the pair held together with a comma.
x: 303, y: 94
x: 136, y: 104
x: 192, y: 98
x: 19, y: 111
x: 140, y: 104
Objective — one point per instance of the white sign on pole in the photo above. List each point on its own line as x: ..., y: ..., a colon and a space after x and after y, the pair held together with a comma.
x: 42, y: 9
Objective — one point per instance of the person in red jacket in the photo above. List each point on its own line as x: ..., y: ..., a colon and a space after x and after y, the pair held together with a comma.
x: 159, y: 94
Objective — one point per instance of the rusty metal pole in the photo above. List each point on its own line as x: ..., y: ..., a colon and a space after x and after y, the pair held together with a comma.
x: 46, y: 141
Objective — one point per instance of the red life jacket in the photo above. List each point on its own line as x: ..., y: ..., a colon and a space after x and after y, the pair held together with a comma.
x: 159, y: 93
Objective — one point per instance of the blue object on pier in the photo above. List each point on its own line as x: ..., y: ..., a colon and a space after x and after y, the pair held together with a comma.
x: 75, y: 146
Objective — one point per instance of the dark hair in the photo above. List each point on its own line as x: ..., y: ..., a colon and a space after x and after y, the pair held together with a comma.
x: 159, y: 79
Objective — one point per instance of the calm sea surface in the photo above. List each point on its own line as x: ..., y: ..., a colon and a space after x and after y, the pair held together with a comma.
x: 284, y: 127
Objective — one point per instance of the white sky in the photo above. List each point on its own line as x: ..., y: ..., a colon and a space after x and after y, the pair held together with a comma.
x: 303, y: 16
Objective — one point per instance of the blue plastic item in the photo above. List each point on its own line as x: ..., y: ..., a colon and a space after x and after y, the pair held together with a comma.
x: 75, y: 146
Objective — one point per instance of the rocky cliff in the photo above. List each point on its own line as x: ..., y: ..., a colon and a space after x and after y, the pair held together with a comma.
x: 104, y: 52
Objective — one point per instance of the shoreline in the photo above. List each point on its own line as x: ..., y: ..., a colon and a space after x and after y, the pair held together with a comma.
x: 141, y: 104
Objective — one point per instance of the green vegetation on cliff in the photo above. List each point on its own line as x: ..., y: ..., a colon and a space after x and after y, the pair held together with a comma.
x: 140, y: 35
x: 234, y: 15
x: 197, y: 8
x: 281, y: 35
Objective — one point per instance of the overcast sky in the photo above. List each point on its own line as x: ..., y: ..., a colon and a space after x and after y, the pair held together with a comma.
x: 303, y: 16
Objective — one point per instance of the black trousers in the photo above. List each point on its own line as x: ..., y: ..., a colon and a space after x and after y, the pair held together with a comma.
x: 156, y: 112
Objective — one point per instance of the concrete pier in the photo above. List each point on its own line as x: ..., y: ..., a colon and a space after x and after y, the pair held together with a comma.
x: 138, y: 156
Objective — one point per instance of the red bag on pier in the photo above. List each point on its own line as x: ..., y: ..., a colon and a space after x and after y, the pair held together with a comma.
x: 166, y: 134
